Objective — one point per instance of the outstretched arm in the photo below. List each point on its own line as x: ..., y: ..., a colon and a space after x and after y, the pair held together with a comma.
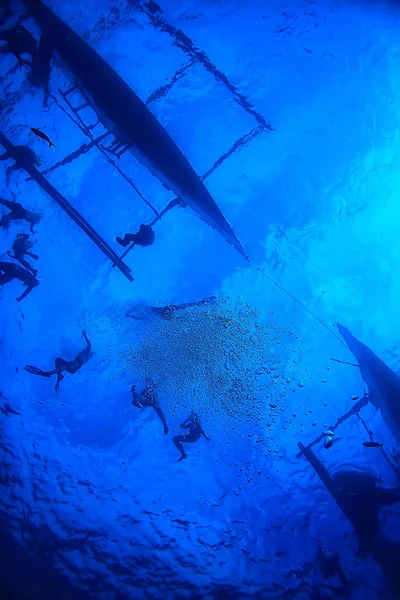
x: 198, y: 303
x: 7, y: 203
x: 88, y: 344
x: 160, y: 413
x: 60, y: 377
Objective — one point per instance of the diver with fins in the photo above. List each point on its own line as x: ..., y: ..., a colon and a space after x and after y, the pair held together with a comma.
x: 167, y: 312
x: 61, y: 365
x: 21, y: 247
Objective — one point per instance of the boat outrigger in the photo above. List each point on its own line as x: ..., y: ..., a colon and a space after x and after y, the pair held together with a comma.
x: 122, y: 112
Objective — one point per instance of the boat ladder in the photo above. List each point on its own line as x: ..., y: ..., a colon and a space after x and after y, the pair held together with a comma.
x: 81, y: 106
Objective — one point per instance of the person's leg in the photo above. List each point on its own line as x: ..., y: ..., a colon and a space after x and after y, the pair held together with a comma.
x: 7, y: 203
x: 32, y: 255
x: 60, y: 363
x: 162, y: 418
x: 85, y: 354
x: 126, y: 240
x: 28, y: 290
x: 60, y: 377
x: 32, y: 218
x: 199, y: 303
x: 5, y: 278
x: 36, y: 371
x: 74, y: 365
x: 165, y: 312
x: 209, y: 300
x: 177, y: 440
x: 187, y: 305
x: 24, y: 263
x: 88, y: 344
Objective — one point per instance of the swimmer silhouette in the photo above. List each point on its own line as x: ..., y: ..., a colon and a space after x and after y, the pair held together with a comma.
x: 21, y: 247
x: 10, y: 271
x: 195, y: 429
x: 144, y: 237
x: 60, y: 364
x: 18, y: 213
x: 167, y: 312
x: 148, y: 398
x: 19, y: 41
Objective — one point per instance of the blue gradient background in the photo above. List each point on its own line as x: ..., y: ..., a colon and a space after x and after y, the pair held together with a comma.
x: 91, y: 494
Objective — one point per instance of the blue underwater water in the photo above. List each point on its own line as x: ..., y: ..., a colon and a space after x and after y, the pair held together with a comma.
x: 289, y: 112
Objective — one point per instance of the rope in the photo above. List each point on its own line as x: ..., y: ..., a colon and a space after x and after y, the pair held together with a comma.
x: 276, y: 284
x: 372, y: 437
x: 343, y: 362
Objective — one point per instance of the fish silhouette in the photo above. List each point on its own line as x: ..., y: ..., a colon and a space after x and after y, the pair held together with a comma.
x: 42, y: 135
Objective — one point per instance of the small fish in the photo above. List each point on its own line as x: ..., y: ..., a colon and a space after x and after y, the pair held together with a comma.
x: 372, y: 445
x: 354, y: 397
x: 328, y: 443
x: 42, y: 135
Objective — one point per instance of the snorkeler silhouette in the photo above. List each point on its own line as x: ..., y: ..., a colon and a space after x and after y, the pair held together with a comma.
x: 12, y: 271
x: 19, y: 41
x: 24, y: 158
x: 18, y: 213
x: 148, y: 398
x: 167, y: 312
x: 144, y: 237
x: 21, y: 247
x: 70, y: 366
x: 193, y: 424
